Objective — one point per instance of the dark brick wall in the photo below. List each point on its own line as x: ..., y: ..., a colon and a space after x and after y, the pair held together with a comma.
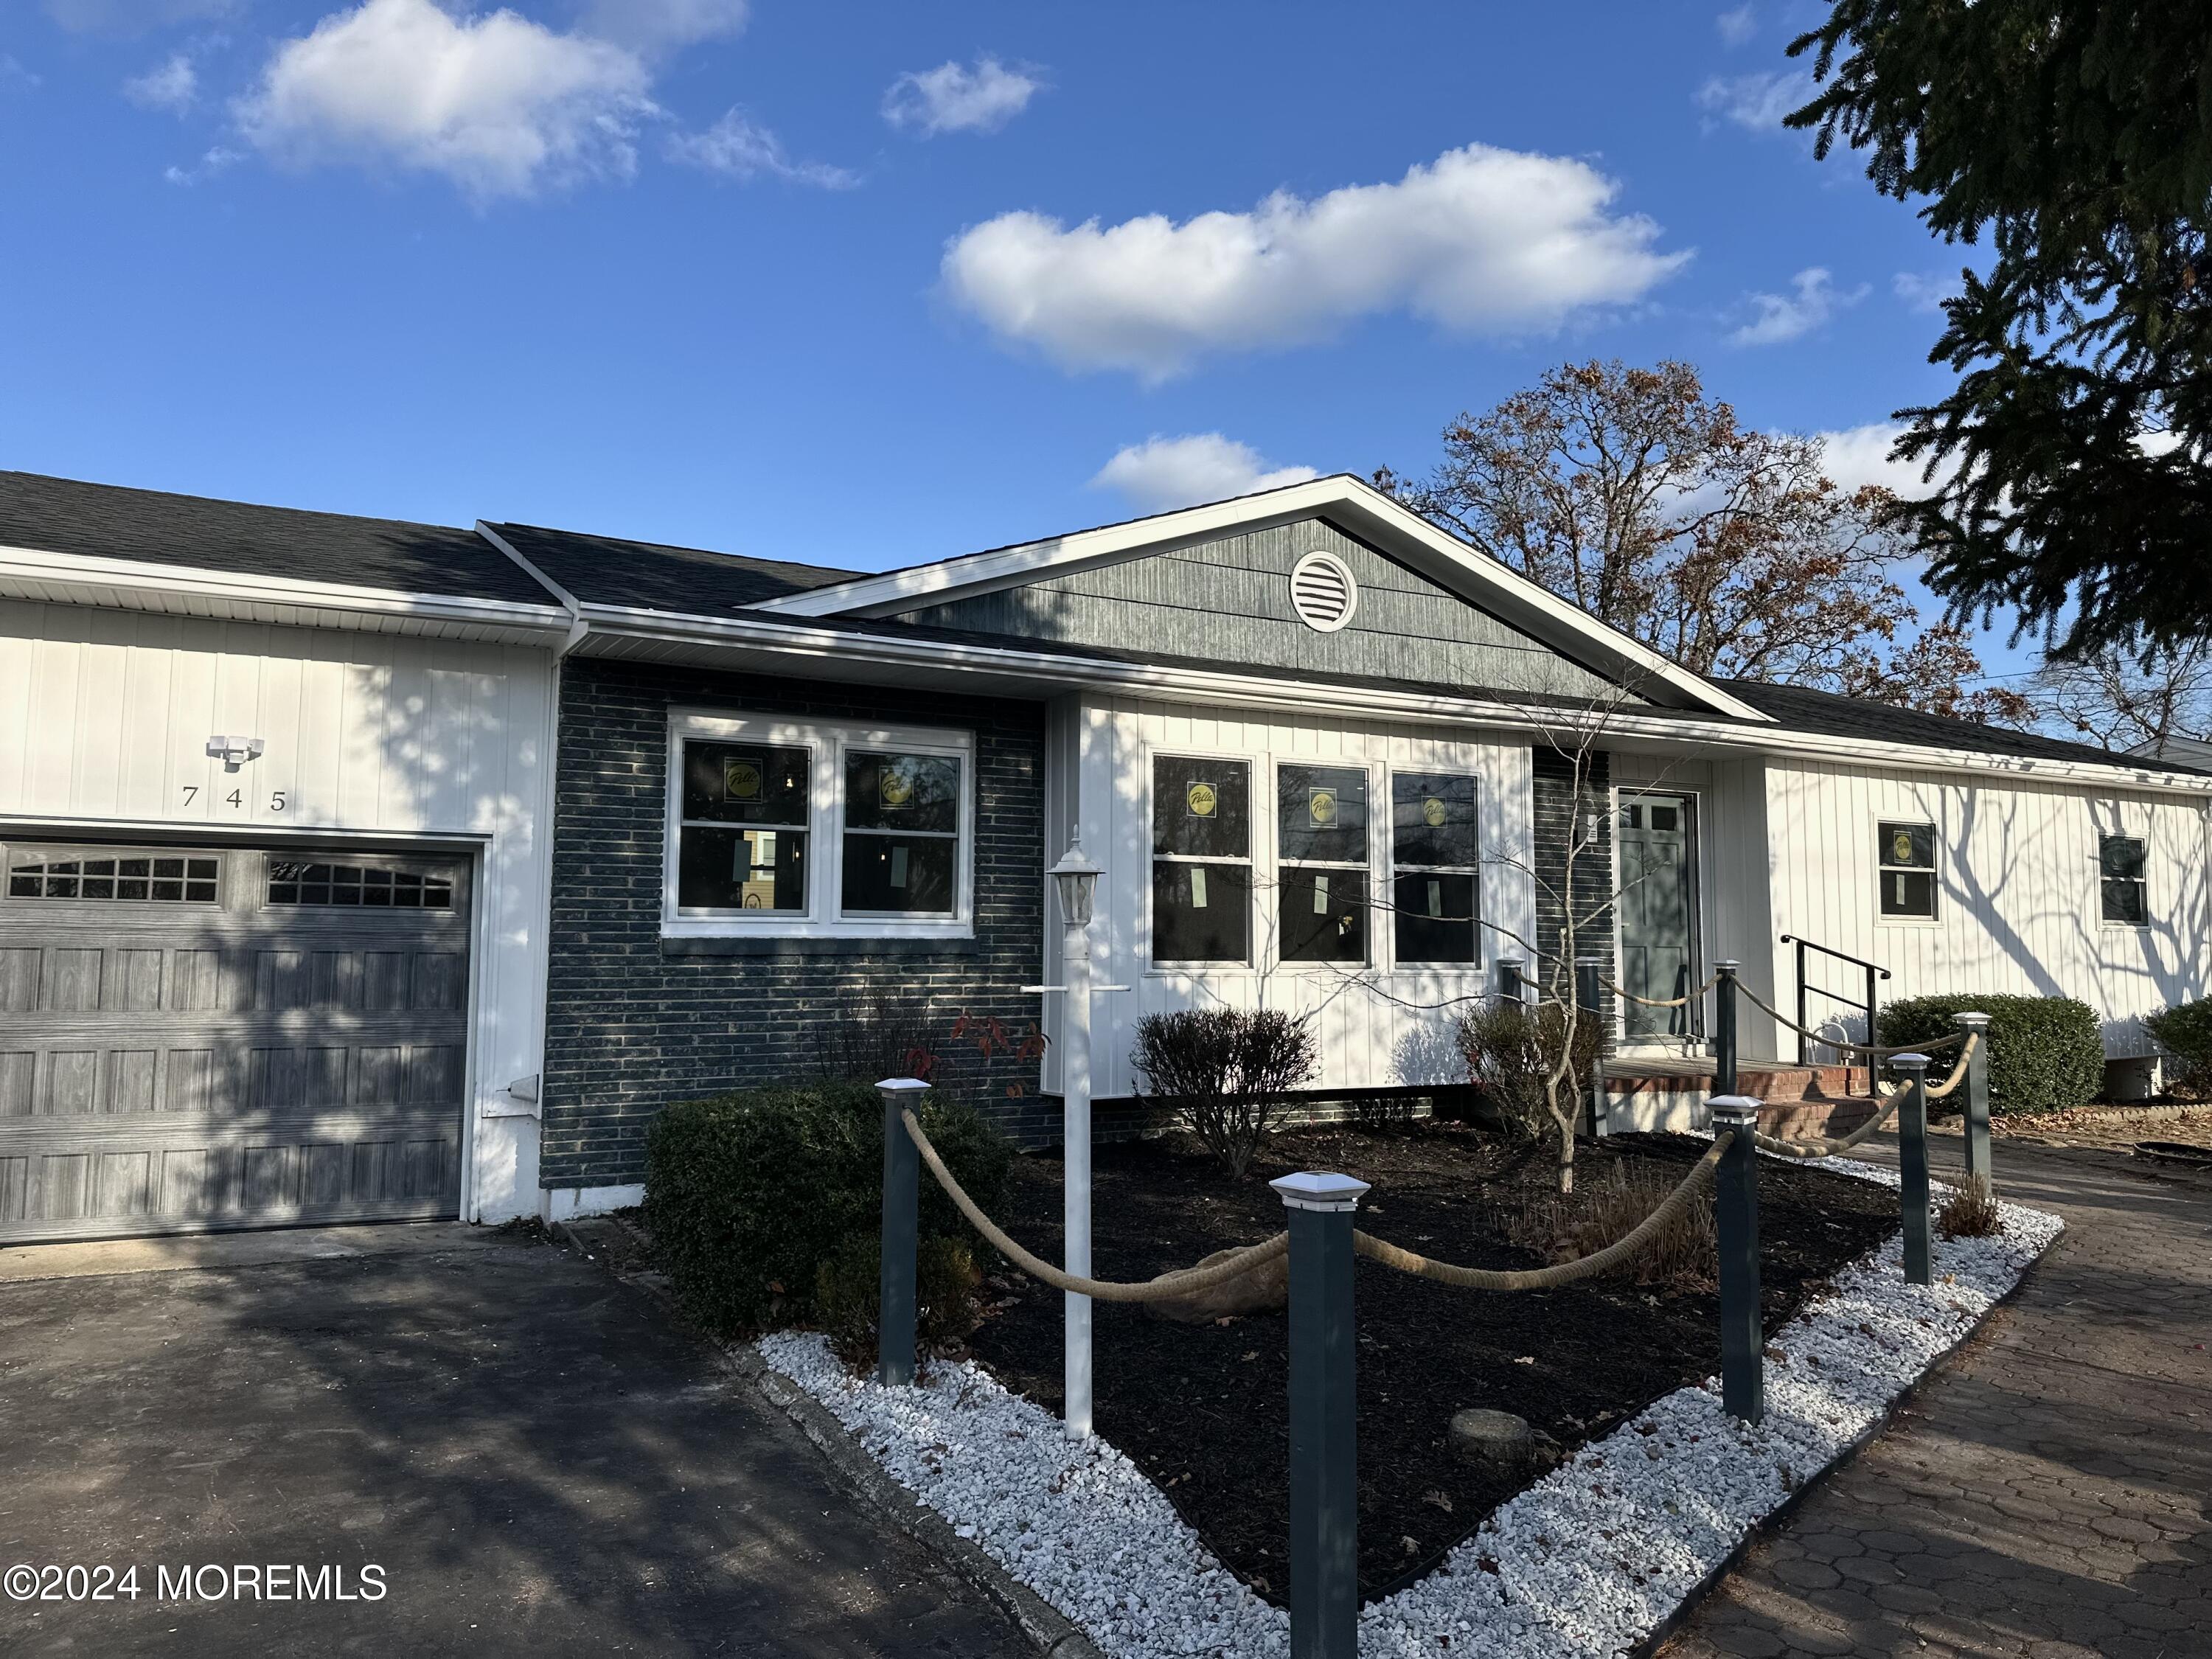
x: 633, y: 1022
x: 1552, y: 802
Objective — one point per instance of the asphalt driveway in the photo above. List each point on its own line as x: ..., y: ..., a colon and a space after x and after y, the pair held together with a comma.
x: 534, y: 1460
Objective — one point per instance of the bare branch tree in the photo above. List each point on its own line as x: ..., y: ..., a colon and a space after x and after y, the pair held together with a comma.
x: 2118, y: 700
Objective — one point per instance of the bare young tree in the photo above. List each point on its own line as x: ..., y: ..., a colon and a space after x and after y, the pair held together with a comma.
x: 2121, y: 700
x: 1631, y: 494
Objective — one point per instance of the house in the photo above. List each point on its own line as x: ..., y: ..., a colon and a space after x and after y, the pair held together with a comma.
x: 1327, y: 758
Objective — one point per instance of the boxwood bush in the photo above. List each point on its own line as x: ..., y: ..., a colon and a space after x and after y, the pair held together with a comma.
x: 2185, y: 1031
x: 748, y: 1195
x: 2046, y: 1053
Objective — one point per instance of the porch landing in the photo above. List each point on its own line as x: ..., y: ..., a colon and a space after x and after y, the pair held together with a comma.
x: 1669, y: 1092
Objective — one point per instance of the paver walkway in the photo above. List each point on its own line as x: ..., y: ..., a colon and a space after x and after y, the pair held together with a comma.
x: 2047, y: 1493
x: 538, y: 1461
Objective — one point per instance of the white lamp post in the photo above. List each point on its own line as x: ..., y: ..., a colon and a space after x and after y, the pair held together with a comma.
x: 1077, y: 878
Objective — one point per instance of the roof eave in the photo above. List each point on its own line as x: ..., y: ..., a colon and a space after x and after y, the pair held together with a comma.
x: 36, y: 576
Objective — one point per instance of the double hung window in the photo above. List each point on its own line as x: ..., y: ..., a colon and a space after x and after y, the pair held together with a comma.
x: 1201, y: 860
x: 2121, y: 894
x: 1434, y: 864
x: 1321, y: 830
x: 1907, y: 870
x: 781, y: 828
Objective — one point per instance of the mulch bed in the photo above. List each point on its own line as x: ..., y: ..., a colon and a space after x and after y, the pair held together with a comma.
x: 1204, y: 1409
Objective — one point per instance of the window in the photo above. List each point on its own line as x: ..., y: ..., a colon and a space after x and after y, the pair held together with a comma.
x: 1321, y: 843
x: 1436, y: 886
x: 364, y: 885
x: 1907, y: 854
x: 1201, y: 860
x: 2120, y: 869
x: 132, y: 877
x: 786, y: 829
x: 902, y: 834
x: 744, y: 830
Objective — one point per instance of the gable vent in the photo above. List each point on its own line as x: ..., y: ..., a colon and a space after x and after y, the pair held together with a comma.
x: 1323, y: 592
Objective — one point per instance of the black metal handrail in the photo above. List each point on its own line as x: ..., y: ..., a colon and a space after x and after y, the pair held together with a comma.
x: 1874, y: 971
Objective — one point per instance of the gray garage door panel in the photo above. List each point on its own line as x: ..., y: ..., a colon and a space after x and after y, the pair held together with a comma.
x: 260, y: 1039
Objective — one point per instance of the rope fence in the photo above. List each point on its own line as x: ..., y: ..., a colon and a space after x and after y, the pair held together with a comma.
x: 1872, y: 1050
x: 1682, y: 1001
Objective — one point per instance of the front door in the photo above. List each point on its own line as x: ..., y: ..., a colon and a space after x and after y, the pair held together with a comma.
x: 1658, y: 911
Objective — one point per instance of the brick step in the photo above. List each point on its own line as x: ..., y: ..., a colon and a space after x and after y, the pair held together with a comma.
x: 1810, y: 1120
x: 1774, y: 1081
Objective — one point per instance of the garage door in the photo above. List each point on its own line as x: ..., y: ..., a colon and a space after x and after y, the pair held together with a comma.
x: 196, y: 1037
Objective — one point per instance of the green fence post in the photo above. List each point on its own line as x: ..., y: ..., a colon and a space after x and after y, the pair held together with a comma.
x: 1912, y: 1164
x: 1324, y: 1417
x: 1724, y: 1027
x: 1736, y: 1218
x: 1977, y: 1096
x: 895, y: 1288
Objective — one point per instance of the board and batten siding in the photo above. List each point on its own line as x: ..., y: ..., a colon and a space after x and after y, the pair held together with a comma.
x: 105, y: 717
x: 2018, y: 907
x: 1377, y: 1029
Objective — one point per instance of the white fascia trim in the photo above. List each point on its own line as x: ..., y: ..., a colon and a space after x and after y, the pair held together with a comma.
x: 577, y: 626
x: 31, y: 573
x: 1472, y: 576
x: 834, y: 646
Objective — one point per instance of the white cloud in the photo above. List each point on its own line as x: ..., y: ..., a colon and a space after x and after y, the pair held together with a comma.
x: 1738, y: 25
x: 497, y: 103
x: 214, y: 162
x: 1757, y: 101
x: 170, y: 86
x: 13, y: 74
x: 1778, y: 317
x: 952, y: 98
x: 658, y: 26
x: 1859, y: 455
x: 738, y: 146
x: 1924, y: 293
x: 1163, y: 473
x: 1480, y: 240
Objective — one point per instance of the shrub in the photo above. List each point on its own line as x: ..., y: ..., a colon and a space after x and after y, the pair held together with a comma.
x: 1509, y: 1049
x: 2185, y: 1031
x: 1225, y: 1073
x: 876, y: 1038
x: 1971, y: 1212
x: 2046, y: 1053
x: 1683, y: 1255
x: 748, y: 1195
x: 848, y: 1289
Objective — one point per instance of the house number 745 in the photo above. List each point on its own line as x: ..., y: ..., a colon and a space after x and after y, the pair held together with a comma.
x: 236, y: 798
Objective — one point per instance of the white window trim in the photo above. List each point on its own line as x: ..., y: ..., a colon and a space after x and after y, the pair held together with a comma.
x: 827, y: 746
x: 1388, y: 906
x: 2141, y: 881
x: 1934, y: 871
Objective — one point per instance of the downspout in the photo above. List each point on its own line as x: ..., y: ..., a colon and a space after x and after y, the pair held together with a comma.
x: 547, y: 805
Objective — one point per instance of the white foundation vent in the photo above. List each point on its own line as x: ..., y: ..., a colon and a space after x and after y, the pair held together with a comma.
x: 1323, y: 592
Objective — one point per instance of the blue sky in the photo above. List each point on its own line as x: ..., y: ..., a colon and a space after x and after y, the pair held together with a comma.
x: 869, y: 283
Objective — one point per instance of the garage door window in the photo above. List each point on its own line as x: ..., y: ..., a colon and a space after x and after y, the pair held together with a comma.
x: 135, y: 877
x: 363, y: 886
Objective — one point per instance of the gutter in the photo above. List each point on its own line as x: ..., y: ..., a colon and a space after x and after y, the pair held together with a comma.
x: 813, y: 641
x: 577, y: 626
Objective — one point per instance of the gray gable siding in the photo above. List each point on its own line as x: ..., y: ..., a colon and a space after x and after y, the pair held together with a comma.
x: 1229, y: 602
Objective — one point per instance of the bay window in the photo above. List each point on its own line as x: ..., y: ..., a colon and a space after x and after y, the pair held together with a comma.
x: 779, y: 828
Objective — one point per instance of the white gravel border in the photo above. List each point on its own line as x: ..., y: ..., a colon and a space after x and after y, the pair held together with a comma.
x: 1585, y: 1563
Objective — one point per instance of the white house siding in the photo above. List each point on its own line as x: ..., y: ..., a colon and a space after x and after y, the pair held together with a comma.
x: 2018, y: 905
x: 105, y: 717
x: 1377, y: 1029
